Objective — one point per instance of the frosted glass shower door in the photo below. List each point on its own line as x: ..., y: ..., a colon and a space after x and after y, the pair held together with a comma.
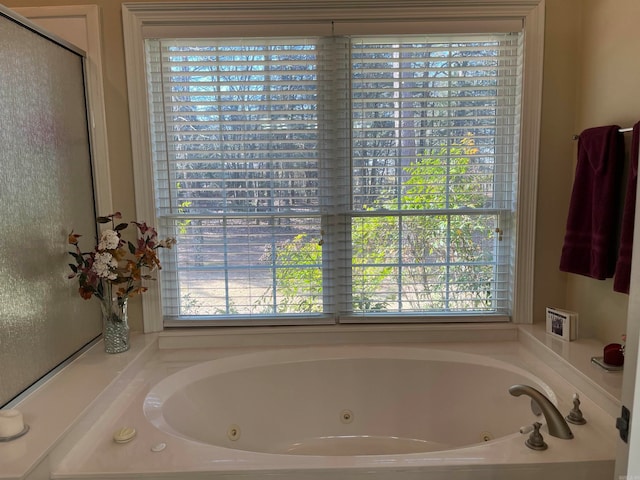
x: 46, y: 190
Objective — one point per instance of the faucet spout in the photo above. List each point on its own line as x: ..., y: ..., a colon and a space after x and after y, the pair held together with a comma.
x: 555, y: 421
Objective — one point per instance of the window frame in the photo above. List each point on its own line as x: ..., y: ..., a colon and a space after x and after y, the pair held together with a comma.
x: 148, y: 20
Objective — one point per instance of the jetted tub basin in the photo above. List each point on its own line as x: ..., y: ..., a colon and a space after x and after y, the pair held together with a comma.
x: 363, y: 400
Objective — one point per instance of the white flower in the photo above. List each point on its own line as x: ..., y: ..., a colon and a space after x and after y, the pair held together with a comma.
x: 104, y: 264
x: 109, y: 240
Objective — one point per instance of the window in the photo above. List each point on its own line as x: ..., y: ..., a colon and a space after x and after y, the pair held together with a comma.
x: 336, y: 177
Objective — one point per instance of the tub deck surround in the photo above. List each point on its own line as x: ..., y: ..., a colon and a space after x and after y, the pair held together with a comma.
x: 94, y: 455
x: 52, y: 409
x: 97, y: 393
x: 338, y: 334
x: 573, y: 360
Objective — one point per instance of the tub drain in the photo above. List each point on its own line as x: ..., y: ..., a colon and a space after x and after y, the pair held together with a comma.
x: 346, y: 416
x: 233, y: 432
x: 486, y: 436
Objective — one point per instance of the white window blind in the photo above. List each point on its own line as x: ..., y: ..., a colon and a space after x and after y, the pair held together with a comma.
x: 336, y: 179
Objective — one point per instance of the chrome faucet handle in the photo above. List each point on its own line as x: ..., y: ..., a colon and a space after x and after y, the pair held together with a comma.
x: 535, y: 440
x: 575, y: 415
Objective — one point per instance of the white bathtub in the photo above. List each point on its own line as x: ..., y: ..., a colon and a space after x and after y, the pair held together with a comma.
x: 419, y: 412
x: 365, y: 400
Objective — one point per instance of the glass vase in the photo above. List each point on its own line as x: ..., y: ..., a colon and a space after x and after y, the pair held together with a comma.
x: 115, y: 325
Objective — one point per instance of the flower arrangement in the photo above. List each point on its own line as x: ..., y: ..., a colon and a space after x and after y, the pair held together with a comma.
x: 114, y: 262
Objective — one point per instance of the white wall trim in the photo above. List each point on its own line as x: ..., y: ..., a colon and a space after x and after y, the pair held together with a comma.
x: 200, y: 13
x: 141, y: 18
x: 95, y: 89
x: 528, y: 165
x: 141, y: 149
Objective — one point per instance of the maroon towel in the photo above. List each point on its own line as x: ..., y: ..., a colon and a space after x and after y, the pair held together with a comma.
x: 590, y: 245
x: 623, y: 266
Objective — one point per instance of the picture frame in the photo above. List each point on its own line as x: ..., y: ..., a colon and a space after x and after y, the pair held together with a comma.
x: 562, y: 324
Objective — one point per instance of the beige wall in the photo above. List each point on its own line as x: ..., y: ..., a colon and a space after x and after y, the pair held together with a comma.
x: 589, y: 80
x: 559, y: 100
x: 609, y: 80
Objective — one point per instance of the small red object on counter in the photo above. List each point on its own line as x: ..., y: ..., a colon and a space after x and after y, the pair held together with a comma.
x: 613, y: 354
